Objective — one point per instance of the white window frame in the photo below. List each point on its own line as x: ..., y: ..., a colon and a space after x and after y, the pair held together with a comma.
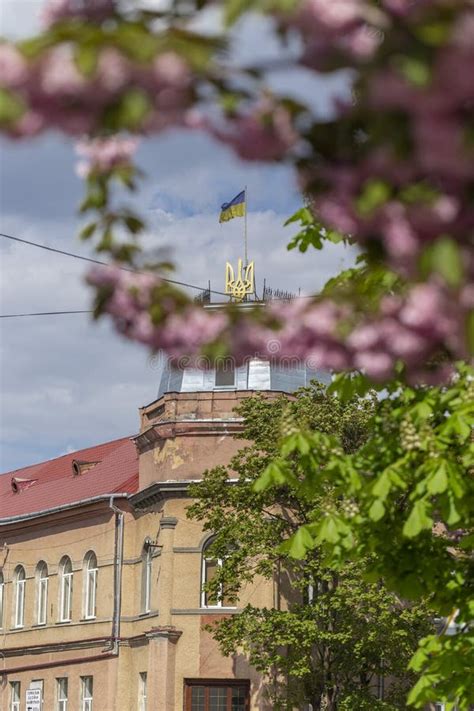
x: 142, y: 691
x: 62, y: 693
x: 65, y: 590
x: 19, y: 584
x: 2, y: 599
x: 41, y: 593
x: 38, y: 684
x: 15, y: 695
x: 220, y: 602
x: 146, y: 578
x: 90, y: 586
x: 87, y: 693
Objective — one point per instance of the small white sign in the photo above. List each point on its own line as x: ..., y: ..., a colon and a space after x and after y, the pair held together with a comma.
x: 33, y: 700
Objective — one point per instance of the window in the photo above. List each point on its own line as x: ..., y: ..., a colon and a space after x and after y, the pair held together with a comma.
x: 2, y: 598
x: 225, y: 373
x: 39, y: 685
x: 146, y: 578
x: 19, y: 581
x: 14, y: 696
x: 65, y: 589
x: 86, y: 693
x: 41, y: 593
x: 217, y: 695
x: 210, y: 566
x: 142, y: 691
x: 90, y: 585
x: 61, y: 689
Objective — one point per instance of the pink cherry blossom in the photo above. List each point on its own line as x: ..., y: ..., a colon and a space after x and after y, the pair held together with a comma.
x: 400, y: 239
x: 113, y: 70
x: 378, y: 365
x: 266, y: 134
x: 171, y: 69
x: 29, y: 124
x: 13, y: 66
x: 186, y: 333
x: 60, y: 76
x: 105, y: 154
x: 91, y: 10
x: 336, y: 15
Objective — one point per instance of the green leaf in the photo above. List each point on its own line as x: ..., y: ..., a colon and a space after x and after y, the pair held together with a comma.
x: 85, y: 57
x: 96, y: 197
x: 444, y: 258
x: 34, y: 46
x: 130, y: 112
x: 135, y: 41
x: 303, y: 215
x: 453, y: 516
x: 382, y: 486
x: 418, y: 520
x: 273, y: 475
x: 421, y: 192
x: 313, y: 233
x: 334, y: 237
x: 417, y: 71
x: 349, y: 385
x: 331, y: 529
x: 88, y: 231
x: 106, y: 241
x: 375, y: 193
x: 377, y: 510
x: 426, y: 683
x: 434, y: 33
x: 470, y: 331
x: 235, y: 9
x: 134, y: 224
x: 11, y: 108
x: 300, y: 543
x: 437, y: 482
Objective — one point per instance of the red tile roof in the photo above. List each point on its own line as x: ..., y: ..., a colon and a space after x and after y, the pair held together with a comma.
x: 115, y: 472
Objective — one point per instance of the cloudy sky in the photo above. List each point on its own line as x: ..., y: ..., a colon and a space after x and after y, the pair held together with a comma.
x: 67, y: 382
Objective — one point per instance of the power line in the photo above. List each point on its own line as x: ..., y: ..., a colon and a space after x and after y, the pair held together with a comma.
x: 45, y: 313
x: 104, y: 264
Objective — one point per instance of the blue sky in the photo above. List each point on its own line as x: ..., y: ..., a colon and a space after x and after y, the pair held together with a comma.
x: 67, y: 383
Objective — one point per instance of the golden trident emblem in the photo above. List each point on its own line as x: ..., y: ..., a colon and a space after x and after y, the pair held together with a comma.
x: 243, y: 285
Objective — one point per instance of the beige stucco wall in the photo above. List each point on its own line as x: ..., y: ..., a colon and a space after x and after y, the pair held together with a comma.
x: 175, y: 602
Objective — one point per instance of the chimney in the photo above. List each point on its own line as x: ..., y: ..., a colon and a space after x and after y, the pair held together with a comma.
x: 81, y: 467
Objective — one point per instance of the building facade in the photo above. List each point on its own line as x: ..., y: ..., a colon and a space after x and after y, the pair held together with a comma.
x: 102, y: 605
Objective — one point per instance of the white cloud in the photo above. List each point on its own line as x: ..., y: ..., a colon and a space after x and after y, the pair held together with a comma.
x: 67, y: 383
x: 20, y: 18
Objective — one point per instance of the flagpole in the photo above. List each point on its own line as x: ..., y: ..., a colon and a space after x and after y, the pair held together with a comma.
x: 245, y: 229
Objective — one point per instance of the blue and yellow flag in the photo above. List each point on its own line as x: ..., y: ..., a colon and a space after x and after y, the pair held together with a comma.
x: 234, y: 208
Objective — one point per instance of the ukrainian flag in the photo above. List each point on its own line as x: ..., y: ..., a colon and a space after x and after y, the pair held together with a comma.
x: 234, y: 208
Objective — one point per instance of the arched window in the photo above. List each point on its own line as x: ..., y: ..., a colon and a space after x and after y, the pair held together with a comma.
x: 210, y: 566
x: 19, y: 582
x: 65, y: 589
x: 90, y: 584
x: 146, y: 577
x: 2, y: 598
x: 41, y: 593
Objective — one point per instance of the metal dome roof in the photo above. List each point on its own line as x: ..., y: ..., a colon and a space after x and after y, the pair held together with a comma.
x: 256, y: 374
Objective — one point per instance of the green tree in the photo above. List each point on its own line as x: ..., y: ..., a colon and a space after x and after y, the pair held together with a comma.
x: 331, y: 633
x: 410, y: 488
